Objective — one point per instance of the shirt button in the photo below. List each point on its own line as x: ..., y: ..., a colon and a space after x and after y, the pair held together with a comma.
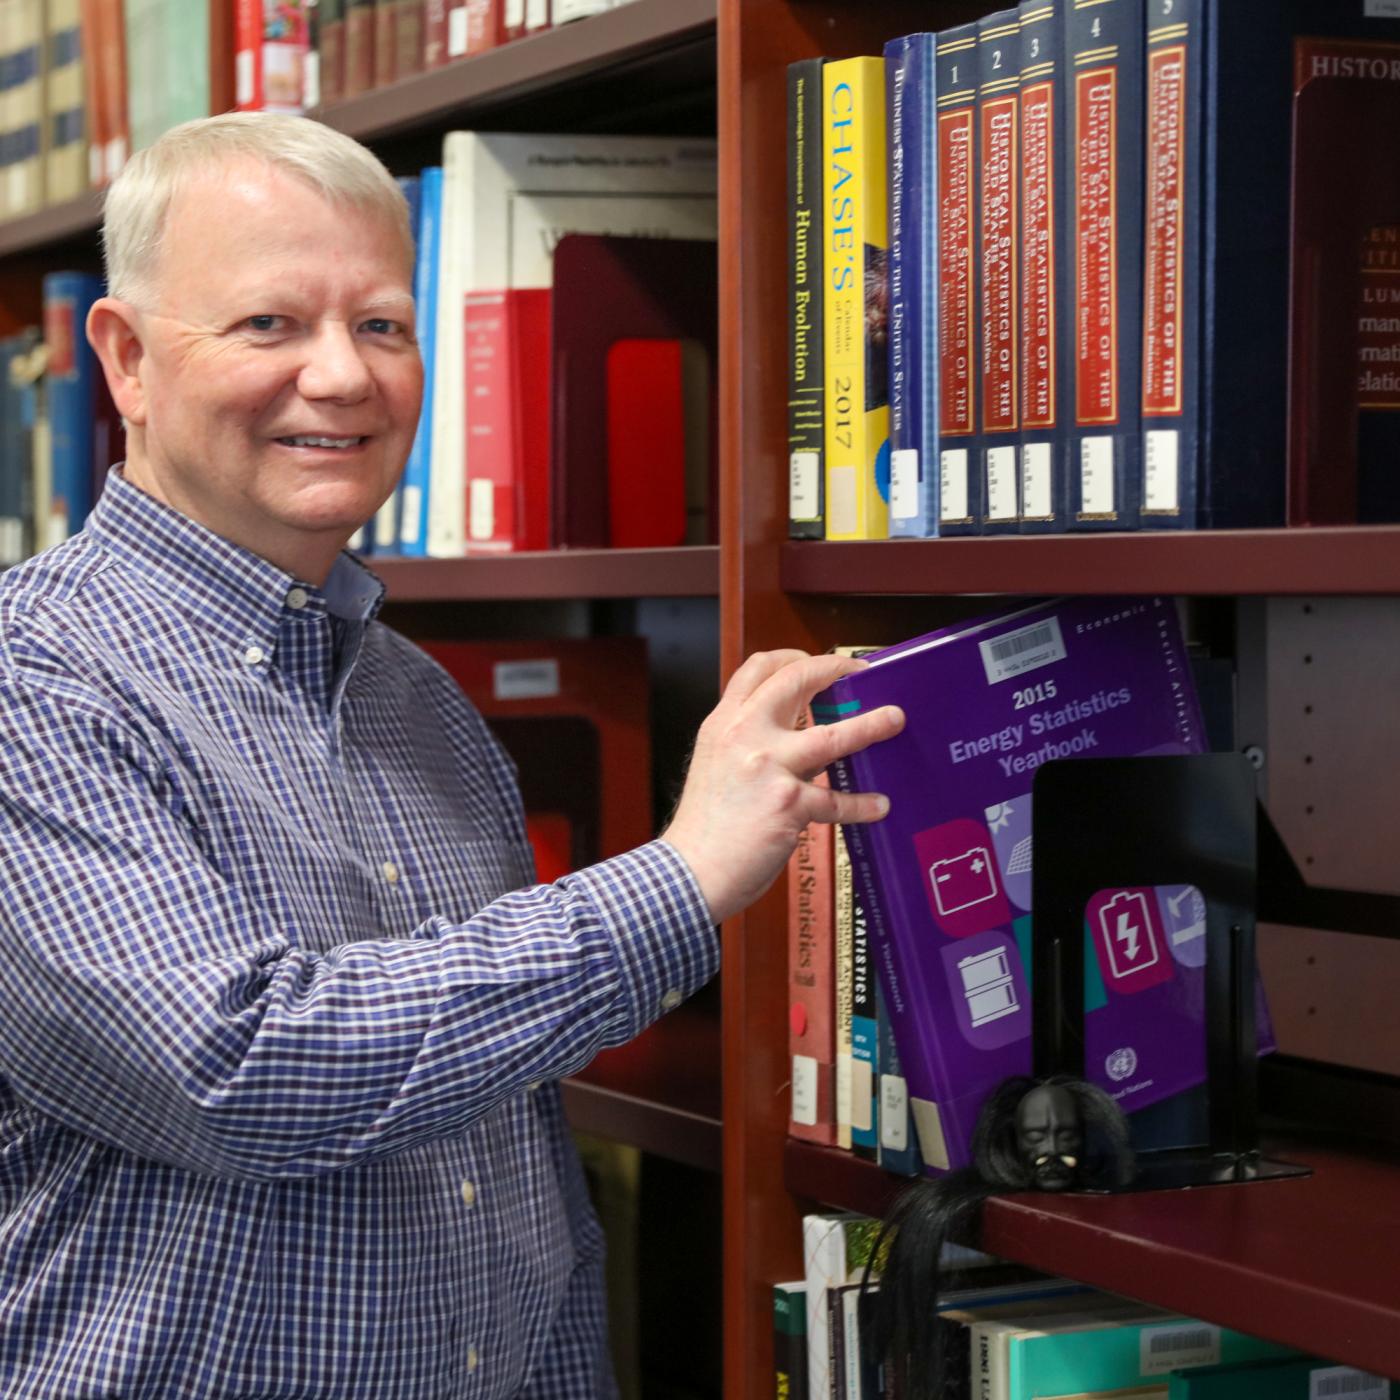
x: 472, y: 1358
x: 253, y: 656
x: 391, y: 872
x: 468, y: 1194
x: 533, y: 1085
x: 296, y: 597
x: 671, y: 1000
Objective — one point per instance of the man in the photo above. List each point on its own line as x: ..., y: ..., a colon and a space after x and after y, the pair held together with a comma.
x: 278, y: 1042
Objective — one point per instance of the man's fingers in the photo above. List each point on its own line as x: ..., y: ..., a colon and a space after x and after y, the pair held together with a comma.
x: 828, y: 805
x: 811, y: 750
x: 758, y: 668
x: 786, y: 689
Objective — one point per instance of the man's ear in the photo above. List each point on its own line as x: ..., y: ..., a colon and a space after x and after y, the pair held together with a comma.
x: 114, y: 330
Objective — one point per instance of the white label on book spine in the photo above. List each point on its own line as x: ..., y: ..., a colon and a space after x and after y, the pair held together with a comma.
x: 1096, y: 476
x: 1160, y: 457
x: 904, y: 483
x: 862, y: 1095
x: 1383, y: 9
x: 952, y: 484
x: 515, y: 13
x: 802, y: 485
x: 1036, y: 503
x: 844, y: 1065
x: 894, y: 1113
x: 1178, y: 1344
x: 457, y: 31
x: 1001, y: 483
x: 1332, y: 1382
x: 928, y: 1124
x: 243, y: 76
x: 841, y: 515
x: 1025, y: 649
x: 804, y: 1090
x: 411, y: 521
x: 536, y: 14
x: 481, y: 518
x: 525, y: 680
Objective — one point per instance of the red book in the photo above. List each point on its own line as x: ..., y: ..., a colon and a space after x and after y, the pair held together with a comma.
x: 359, y: 47
x: 434, y: 33
x: 109, y: 127
x: 458, y: 25
x: 482, y: 27
x: 271, y: 41
x: 386, y: 23
x: 408, y: 39
x: 221, y: 51
x: 491, y: 481
x: 330, y: 41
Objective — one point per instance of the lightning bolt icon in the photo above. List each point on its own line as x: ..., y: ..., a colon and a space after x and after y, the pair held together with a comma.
x: 1128, y: 935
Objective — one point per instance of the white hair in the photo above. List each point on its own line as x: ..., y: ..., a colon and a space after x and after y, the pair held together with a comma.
x: 336, y: 166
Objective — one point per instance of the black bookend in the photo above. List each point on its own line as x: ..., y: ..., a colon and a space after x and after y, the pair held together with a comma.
x: 1134, y: 822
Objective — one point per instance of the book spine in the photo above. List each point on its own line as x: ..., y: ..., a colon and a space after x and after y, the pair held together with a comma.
x: 359, y: 46
x: 512, y: 21
x: 811, y: 989
x: 413, y: 513
x: 66, y: 176
x: 790, y: 1341
x: 961, y: 495
x: 330, y: 37
x: 386, y: 23
x: 487, y: 388
x: 1104, y: 59
x: 899, y: 1151
x: 806, y: 248
x: 999, y: 259
x: 865, y: 1132
x: 1045, y: 331
x: 857, y: 367
x: 1171, y: 264
x: 110, y: 57
x: 482, y: 26
x: 536, y: 16
x: 70, y: 375
x: 843, y: 951
x: 910, y: 95
x: 447, y: 495
x: 434, y: 34
x: 247, y: 55
x: 408, y: 35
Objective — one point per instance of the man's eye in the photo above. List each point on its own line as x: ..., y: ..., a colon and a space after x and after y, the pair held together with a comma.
x: 381, y: 325
x: 263, y: 323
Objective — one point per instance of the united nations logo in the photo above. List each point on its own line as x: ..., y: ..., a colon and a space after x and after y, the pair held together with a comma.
x: 1121, y: 1063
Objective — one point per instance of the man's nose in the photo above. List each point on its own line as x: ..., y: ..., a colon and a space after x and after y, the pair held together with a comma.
x: 335, y: 367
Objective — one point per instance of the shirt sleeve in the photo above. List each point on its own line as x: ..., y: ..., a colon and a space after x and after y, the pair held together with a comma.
x: 151, y: 1003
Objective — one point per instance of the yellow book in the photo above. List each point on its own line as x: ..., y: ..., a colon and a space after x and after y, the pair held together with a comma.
x: 857, y: 300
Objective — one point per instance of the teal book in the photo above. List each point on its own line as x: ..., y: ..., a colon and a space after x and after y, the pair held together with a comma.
x: 1299, y: 1378
x: 1129, y: 1355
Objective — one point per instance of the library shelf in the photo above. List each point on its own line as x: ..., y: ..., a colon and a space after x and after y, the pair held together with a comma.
x: 666, y: 43
x: 73, y: 221
x: 691, y: 571
x: 1308, y: 1261
x: 1304, y: 560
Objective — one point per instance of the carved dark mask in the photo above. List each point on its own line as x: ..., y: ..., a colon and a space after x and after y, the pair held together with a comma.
x: 1050, y: 1137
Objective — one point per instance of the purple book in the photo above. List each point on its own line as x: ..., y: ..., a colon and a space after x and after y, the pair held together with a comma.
x: 946, y: 876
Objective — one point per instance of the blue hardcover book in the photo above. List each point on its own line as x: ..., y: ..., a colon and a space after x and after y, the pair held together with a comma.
x: 413, y: 489
x: 1104, y: 62
x: 999, y: 258
x: 899, y: 1147
x: 1045, y: 325
x: 911, y: 92
x: 16, y: 428
x: 1171, y: 262
x: 961, y: 499
x: 72, y: 377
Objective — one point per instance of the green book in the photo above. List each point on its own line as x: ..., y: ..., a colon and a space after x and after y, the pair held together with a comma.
x: 1299, y: 1378
x: 790, y: 1341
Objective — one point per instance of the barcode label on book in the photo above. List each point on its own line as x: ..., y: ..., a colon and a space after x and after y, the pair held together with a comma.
x: 525, y: 680
x: 1035, y: 481
x: 482, y: 509
x: 862, y: 1096
x: 1025, y: 649
x: 1164, y: 1349
x: 894, y: 1113
x: 841, y: 515
x: 1160, y: 472
x: 1383, y: 9
x: 1096, y: 476
x: 411, y: 521
x: 243, y: 62
x: 804, y: 1090
x: 457, y: 31
x: 1001, y: 483
x: 802, y: 485
x: 952, y: 469
x: 904, y: 483
x: 1329, y: 1381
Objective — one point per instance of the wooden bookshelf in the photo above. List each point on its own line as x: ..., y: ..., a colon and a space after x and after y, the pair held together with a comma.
x: 75, y: 221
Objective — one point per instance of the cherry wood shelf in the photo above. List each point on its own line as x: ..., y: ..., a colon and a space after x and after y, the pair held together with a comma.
x: 1360, y: 559
x: 73, y: 221
x: 674, y: 40
x: 1308, y: 1261
x: 688, y: 572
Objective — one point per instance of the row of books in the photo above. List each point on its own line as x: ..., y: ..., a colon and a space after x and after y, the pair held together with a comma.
x: 567, y: 315
x: 1011, y: 1335
x: 942, y: 886
x: 1098, y: 265
x: 359, y: 45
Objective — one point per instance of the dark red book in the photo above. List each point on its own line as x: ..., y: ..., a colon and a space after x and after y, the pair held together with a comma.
x: 386, y: 24
x: 359, y: 46
x: 434, y: 33
x: 408, y: 38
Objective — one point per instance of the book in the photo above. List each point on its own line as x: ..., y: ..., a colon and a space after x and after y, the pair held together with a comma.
x: 435, y: 33
x: 330, y: 48
x: 961, y: 486
x: 272, y: 39
x: 999, y: 257
x: 479, y: 25
x: 386, y: 45
x: 1104, y: 61
x: 413, y: 490
x: 1045, y: 327
x: 507, y: 201
x: 790, y: 1340
x: 946, y: 875
x: 898, y: 1150
x: 1296, y: 1378
x: 806, y: 290
x: 104, y: 76
x: 843, y: 885
x: 360, y: 35
x: 911, y: 95
x: 835, y: 1248
x: 811, y: 985
x: 865, y: 1104
x: 66, y: 161
x: 856, y: 327
x: 74, y: 383
x: 25, y: 138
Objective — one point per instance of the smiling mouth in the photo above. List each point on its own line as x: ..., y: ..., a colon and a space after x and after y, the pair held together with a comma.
x: 339, y: 444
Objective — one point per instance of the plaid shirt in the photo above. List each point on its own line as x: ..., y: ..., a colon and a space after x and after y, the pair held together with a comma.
x: 277, y: 1046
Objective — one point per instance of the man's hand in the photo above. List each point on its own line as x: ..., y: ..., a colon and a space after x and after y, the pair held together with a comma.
x: 750, y: 789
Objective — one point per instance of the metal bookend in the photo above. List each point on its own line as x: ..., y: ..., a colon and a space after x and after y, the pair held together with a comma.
x: 1102, y: 824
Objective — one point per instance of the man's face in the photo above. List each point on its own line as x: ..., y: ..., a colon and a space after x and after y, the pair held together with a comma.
x: 280, y: 379
x: 1050, y: 1136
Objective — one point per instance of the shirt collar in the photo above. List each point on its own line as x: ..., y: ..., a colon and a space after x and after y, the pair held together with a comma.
x: 238, y: 595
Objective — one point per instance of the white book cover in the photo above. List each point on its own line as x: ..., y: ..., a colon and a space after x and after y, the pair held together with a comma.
x: 507, y: 200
